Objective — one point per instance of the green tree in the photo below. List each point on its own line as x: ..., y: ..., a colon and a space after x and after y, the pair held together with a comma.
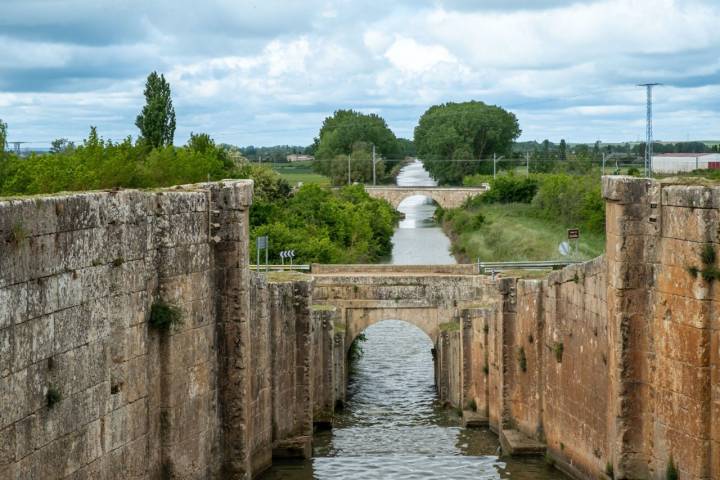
x: 348, y: 132
x: 452, y: 137
x: 563, y: 150
x: 3, y: 136
x: 60, y: 145
x: 157, y: 119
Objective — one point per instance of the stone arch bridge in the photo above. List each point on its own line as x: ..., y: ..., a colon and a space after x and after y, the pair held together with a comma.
x: 426, y: 296
x: 446, y: 197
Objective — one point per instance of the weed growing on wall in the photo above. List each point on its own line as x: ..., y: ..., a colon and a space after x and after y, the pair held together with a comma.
x: 356, y: 351
x: 53, y: 397
x: 522, y: 359
x: 610, y: 470
x: 558, y: 349
x: 163, y: 316
x: 672, y: 472
x: 709, y: 272
x: 19, y: 233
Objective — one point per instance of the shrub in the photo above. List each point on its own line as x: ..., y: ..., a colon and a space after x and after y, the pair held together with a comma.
x: 163, y: 316
x: 511, y: 189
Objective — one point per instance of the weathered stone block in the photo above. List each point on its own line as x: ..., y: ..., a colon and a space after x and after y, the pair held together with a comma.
x: 13, y: 305
x: 34, y: 341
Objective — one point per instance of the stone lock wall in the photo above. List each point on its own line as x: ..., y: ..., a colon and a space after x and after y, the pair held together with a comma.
x: 216, y: 396
x: 78, y: 276
x: 613, y: 364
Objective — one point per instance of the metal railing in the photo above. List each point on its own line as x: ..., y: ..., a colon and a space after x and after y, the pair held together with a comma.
x: 489, y: 267
x: 280, y: 268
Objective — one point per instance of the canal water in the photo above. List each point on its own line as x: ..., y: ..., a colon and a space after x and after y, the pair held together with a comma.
x: 392, y: 426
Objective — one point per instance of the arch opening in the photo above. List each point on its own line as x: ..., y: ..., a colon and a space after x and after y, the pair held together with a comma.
x: 418, y: 211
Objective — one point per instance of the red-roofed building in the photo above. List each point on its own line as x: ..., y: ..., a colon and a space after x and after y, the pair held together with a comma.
x: 684, y: 162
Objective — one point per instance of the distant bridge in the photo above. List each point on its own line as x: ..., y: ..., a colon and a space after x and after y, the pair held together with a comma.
x: 446, y: 197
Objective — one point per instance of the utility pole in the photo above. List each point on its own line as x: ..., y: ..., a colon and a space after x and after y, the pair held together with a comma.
x: 648, y: 128
x: 527, y: 161
x: 494, y: 166
x: 603, y: 165
x: 373, y: 160
x: 348, y: 169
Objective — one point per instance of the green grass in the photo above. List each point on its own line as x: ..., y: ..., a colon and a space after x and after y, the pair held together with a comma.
x: 512, y: 232
x: 295, y: 172
x: 287, y: 276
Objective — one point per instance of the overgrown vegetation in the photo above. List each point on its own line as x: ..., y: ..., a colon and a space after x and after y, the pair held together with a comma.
x: 52, y: 397
x: 526, y: 218
x: 471, y: 405
x: 164, y: 316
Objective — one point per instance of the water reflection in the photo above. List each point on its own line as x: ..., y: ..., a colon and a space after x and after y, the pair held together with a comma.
x: 418, y: 239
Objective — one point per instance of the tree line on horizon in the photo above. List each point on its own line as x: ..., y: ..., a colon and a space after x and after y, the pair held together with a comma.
x: 322, y: 225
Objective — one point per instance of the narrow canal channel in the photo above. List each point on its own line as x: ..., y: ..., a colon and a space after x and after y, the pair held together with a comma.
x: 392, y: 426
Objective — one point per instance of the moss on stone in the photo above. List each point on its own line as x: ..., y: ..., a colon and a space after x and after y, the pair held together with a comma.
x: 449, y: 327
x: 322, y: 308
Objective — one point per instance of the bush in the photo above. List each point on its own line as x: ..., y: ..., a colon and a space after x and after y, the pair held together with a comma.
x: 571, y: 200
x: 511, y: 189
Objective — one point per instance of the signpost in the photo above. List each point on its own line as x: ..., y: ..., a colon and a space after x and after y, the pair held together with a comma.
x: 287, y: 254
x: 260, y: 243
x: 574, y: 235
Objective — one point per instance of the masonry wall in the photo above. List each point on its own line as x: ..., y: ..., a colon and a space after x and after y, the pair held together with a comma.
x: 615, y: 363
x: 215, y: 396
x: 78, y: 276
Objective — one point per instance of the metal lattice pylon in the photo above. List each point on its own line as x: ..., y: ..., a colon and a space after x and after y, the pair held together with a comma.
x: 648, y: 129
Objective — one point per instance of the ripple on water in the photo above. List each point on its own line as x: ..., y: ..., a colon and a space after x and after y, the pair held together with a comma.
x: 393, y: 428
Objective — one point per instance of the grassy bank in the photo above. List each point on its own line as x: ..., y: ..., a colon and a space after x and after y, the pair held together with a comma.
x: 511, y: 232
x: 299, y: 172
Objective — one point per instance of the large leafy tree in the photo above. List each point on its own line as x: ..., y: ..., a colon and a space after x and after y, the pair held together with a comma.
x: 157, y: 119
x: 452, y: 137
x: 351, y: 133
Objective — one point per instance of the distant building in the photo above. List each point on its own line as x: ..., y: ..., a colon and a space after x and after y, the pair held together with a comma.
x: 296, y: 157
x: 685, y: 162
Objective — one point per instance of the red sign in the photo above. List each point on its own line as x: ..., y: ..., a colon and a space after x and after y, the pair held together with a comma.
x: 573, y: 233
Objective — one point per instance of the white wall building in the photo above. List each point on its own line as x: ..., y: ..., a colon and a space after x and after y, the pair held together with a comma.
x: 295, y: 157
x: 684, y: 162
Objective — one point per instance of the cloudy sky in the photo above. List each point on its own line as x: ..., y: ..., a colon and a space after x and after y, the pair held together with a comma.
x: 267, y: 72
